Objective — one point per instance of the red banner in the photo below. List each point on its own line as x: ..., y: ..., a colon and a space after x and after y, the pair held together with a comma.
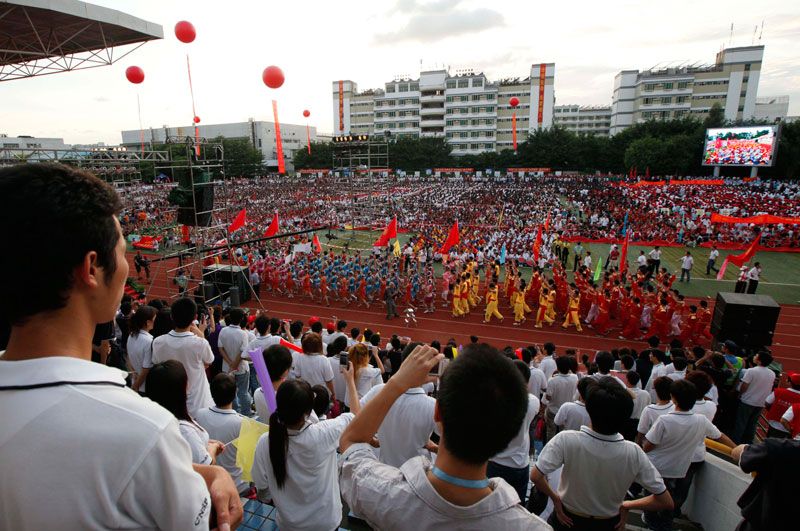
x: 451, y: 170
x: 545, y: 170
x: 514, y: 129
x: 644, y: 183
x: 279, y: 144
x: 666, y: 243
x: 699, y: 182
x: 764, y: 219
x: 341, y: 105
x: 313, y: 171
x: 542, y: 71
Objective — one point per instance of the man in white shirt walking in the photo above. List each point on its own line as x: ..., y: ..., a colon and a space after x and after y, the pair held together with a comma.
x: 686, y: 267
x: 232, y: 344
x: 752, y: 277
x: 757, y: 384
x: 712, y: 259
x: 655, y: 259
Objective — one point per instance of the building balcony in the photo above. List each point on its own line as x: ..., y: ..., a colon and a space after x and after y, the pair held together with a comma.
x: 432, y: 122
x: 432, y: 98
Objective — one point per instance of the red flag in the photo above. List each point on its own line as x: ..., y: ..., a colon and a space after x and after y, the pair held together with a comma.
x: 278, y: 143
x: 647, y: 174
x: 451, y: 240
x: 623, y: 265
x: 739, y: 259
x: 388, y: 233
x: 317, y: 246
x: 238, y: 223
x: 547, y: 221
x: 537, y: 246
x: 185, y: 234
x: 514, y: 129
x: 273, y: 227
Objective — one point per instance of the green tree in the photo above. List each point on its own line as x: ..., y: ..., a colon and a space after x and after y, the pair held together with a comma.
x: 241, y: 158
x: 321, y: 157
x: 716, y: 116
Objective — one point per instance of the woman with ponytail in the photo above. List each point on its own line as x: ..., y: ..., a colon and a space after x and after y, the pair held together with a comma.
x: 140, y: 344
x: 296, y: 459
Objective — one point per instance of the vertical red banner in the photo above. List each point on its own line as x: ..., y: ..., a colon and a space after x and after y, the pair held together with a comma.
x: 308, y: 134
x: 542, y: 72
x: 341, y: 105
x: 281, y: 166
x: 514, y: 129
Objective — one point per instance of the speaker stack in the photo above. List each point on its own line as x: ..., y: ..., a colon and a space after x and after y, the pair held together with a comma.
x: 219, y: 279
x: 747, y: 320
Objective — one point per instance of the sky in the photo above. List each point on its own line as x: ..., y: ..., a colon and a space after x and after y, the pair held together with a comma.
x: 316, y: 42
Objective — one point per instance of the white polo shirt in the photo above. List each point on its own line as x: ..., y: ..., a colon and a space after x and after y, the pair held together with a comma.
x: 339, y: 385
x: 407, y: 427
x: 598, y: 470
x: 517, y: 453
x: 572, y: 415
x: 194, y: 353
x: 140, y: 352
x: 651, y: 413
x: 102, y: 456
x: 641, y: 399
x: 313, y: 368
x: 368, y: 377
x: 262, y: 342
x: 760, y: 381
x: 687, y: 262
x: 234, y: 340
x: 561, y: 388
x: 676, y: 436
x: 548, y: 366
x: 224, y: 425
x: 310, y: 496
x: 658, y: 371
x: 708, y: 409
x: 537, y: 384
x: 197, y: 438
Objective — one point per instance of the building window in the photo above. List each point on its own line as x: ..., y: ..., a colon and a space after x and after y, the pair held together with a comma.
x: 449, y: 134
x: 649, y: 87
x: 666, y: 99
x: 463, y: 83
x: 259, y: 142
x: 463, y: 122
x: 477, y: 82
x: 389, y: 88
x: 488, y: 133
x: 390, y: 114
x: 648, y: 101
x: 489, y: 109
x: 450, y: 110
x: 745, y: 79
x: 462, y: 134
x: 450, y: 123
x: 489, y: 146
x: 402, y: 87
x: 463, y: 98
x: 680, y: 99
x: 683, y: 84
x: 747, y: 67
x: 414, y: 124
x: 743, y: 93
x: 489, y: 121
x: 449, y: 99
x: 414, y: 87
x: 667, y: 86
x: 475, y: 146
x: 741, y: 108
x: 474, y: 134
x: 451, y: 83
x: 401, y: 125
x: 464, y: 110
x: 476, y: 110
x: 490, y: 96
x: 476, y: 122
x: 476, y: 97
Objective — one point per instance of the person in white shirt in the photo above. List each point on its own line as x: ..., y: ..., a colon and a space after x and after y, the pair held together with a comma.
x: 662, y: 406
x: 641, y: 399
x: 366, y: 376
x: 312, y: 366
x: 605, y: 361
x: 757, y: 384
x: 513, y: 463
x: 266, y: 335
x: 296, y: 459
x: 561, y: 388
x: 599, y: 466
x: 222, y: 423
x: 548, y: 363
x: 455, y: 493
x: 641, y: 260
x: 166, y: 385
x: 232, y: 346
x: 537, y: 385
x: 587, y: 261
x: 353, y: 339
x: 573, y: 415
x: 335, y: 350
x: 655, y: 259
x: 186, y: 344
x: 678, y: 369
x: 140, y: 345
x: 657, y: 358
x: 712, y: 258
x: 752, y: 277
x: 671, y: 443
x: 686, y: 266
x: 128, y: 465
x: 278, y: 361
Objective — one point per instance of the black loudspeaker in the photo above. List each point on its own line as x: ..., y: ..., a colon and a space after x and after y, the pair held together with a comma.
x: 223, y: 277
x: 747, y: 320
x: 189, y: 194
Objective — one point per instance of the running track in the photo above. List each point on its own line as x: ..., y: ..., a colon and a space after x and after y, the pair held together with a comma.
x: 441, y: 326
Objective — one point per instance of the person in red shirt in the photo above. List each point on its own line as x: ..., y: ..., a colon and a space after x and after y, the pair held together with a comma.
x: 631, y: 327
x: 778, y: 402
x: 602, y: 323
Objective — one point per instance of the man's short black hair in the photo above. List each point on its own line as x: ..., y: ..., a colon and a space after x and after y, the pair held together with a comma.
x: 523, y: 369
x: 223, y: 389
x: 604, y: 361
x: 316, y: 327
x: 660, y: 355
x: 679, y: 363
x: 262, y: 324
x: 765, y: 357
x: 633, y: 377
x: 473, y: 339
x: 684, y: 392
x: 661, y: 386
x: 702, y: 382
x: 481, y: 384
x: 183, y: 312
x: 341, y: 325
x: 278, y: 360
x: 627, y: 362
x: 583, y: 385
x: 609, y: 406
x: 235, y: 317
x: 337, y: 346
x: 653, y: 341
x: 550, y: 348
x: 562, y: 364
x: 51, y: 216
x: 354, y: 332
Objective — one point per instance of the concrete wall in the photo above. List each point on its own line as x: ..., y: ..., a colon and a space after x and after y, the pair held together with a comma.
x: 712, y: 498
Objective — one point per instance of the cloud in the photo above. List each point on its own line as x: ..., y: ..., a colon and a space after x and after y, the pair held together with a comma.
x: 439, y: 20
x: 101, y: 99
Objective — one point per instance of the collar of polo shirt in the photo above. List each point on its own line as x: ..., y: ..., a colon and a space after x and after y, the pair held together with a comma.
x: 57, y: 369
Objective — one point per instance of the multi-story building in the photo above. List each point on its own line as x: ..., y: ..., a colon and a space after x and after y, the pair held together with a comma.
x: 473, y: 113
x: 673, y: 92
x: 31, y: 142
x: 261, y: 134
x: 770, y: 109
x: 592, y: 120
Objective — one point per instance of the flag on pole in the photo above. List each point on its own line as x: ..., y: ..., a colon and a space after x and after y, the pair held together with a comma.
x: 739, y: 259
x: 537, y: 245
x: 547, y: 221
x: 290, y: 346
x: 316, y: 245
x: 388, y: 233
x: 451, y: 240
x: 249, y: 433
x: 272, y: 230
x: 397, y: 251
x: 623, y: 264
x: 598, y: 269
x: 238, y: 223
x: 503, y: 254
x: 625, y: 225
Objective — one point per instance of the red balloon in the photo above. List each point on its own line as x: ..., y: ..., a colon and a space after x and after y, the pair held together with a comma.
x: 306, y: 113
x: 197, y: 119
x: 184, y: 31
x: 272, y: 77
x: 514, y: 101
x: 134, y: 74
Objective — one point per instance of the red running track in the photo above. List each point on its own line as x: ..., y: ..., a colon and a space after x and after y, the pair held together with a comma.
x: 441, y: 326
